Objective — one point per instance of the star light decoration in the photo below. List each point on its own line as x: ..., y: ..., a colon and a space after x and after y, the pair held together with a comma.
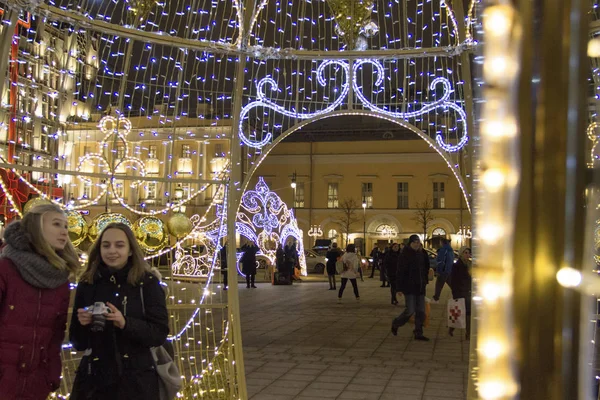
x: 443, y: 102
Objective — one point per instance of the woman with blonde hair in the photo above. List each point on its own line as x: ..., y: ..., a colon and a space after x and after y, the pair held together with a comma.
x: 35, y: 266
x: 118, y: 315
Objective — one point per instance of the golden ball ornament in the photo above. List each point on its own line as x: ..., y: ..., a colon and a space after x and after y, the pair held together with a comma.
x: 151, y: 234
x: 34, y: 201
x: 179, y: 225
x: 100, y: 222
x: 78, y: 228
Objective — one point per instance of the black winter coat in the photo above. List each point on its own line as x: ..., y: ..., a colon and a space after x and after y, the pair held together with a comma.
x: 223, y: 259
x: 248, y: 260
x: 390, y: 264
x: 412, y: 271
x: 120, y: 366
x: 332, y: 256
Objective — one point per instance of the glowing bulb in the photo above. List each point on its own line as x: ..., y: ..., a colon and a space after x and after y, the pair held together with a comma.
x: 499, y: 68
x: 491, y: 390
x: 491, y: 233
x: 499, y: 128
x: 568, y: 277
x: 498, y: 20
x: 493, y: 179
x: 491, y: 292
x: 492, y: 348
x: 593, y: 48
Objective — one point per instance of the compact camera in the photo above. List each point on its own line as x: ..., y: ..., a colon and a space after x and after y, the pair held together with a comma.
x: 98, y: 318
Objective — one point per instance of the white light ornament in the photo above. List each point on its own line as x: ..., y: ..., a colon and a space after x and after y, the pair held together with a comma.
x: 315, y: 231
x: 443, y: 102
x: 265, y: 220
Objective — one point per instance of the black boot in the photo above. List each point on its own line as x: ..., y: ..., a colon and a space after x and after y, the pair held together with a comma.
x: 247, y: 281
x: 252, y: 281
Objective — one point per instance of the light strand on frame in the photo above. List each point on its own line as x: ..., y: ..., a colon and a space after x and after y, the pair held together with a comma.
x: 497, y: 195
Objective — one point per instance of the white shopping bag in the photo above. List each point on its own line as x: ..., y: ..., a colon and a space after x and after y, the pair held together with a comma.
x: 457, y: 314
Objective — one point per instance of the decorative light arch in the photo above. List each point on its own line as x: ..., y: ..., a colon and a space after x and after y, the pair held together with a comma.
x: 340, y: 113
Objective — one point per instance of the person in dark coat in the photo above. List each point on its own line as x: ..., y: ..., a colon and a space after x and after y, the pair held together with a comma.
x: 412, y: 280
x: 248, y: 261
x: 332, y: 255
x: 383, y: 277
x: 291, y: 259
x: 375, y: 254
x: 36, y: 263
x: 117, y: 363
x: 223, y: 259
x: 461, y: 284
x: 390, y: 263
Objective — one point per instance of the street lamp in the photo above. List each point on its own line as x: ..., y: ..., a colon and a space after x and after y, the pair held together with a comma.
x: 293, y: 184
x: 364, y: 206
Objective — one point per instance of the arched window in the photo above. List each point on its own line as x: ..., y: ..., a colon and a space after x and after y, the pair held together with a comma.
x: 439, y: 232
x: 332, y: 234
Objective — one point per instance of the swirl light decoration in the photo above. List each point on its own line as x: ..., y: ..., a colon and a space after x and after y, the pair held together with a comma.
x: 264, y: 219
x: 443, y: 103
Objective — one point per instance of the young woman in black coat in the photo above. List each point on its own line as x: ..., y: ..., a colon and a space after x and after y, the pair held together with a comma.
x: 117, y: 363
x: 248, y: 261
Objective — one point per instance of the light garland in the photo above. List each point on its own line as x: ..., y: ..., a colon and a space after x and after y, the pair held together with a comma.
x: 495, y: 375
x: 264, y: 102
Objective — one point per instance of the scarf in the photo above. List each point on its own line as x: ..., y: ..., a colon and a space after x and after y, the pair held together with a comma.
x: 33, y: 268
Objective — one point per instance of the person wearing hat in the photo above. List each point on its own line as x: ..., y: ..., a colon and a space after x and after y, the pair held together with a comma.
x: 412, y: 280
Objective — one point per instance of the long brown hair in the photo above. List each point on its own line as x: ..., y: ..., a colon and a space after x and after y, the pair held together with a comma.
x: 32, y: 223
x: 139, y: 267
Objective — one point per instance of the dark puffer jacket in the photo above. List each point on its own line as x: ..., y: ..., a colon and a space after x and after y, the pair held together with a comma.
x: 390, y: 264
x: 32, y: 328
x: 411, y: 275
x: 120, y: 365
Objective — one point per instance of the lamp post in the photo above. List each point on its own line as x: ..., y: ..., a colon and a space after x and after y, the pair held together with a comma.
x: 364, y: 206
x: 293, y: 185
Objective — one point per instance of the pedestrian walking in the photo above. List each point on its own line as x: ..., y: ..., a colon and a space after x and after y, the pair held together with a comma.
x: 248, y: 261
x: 390, y: 265
x: 332, y: 255
x: 36, y: 263
x: 461, y: 285
x: 444, y: 262
x: 411, y: 280
x: 375, y: 253
x: 119, y: 314
x: 350, y: 268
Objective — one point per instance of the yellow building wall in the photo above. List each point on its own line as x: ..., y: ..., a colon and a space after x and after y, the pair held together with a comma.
x: 382, y: 163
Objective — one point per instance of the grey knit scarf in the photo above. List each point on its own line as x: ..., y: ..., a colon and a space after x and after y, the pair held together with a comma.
x: 34, y: 269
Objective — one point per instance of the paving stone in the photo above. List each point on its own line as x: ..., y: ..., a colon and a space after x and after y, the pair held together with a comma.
x: 321, y: 393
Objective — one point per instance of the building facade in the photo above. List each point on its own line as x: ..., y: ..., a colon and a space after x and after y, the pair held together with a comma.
x: 393, y: 179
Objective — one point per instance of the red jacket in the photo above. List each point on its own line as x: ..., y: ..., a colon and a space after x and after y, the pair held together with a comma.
x: 32, y: 328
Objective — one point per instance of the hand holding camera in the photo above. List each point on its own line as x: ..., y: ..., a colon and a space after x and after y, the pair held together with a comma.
x: 97, y: 315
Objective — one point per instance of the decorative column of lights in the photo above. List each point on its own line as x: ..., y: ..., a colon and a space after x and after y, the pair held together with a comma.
x: 497, y: 193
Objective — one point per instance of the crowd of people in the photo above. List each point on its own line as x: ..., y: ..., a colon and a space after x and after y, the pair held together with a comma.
x: 119, y: 312
x: 406, y: 270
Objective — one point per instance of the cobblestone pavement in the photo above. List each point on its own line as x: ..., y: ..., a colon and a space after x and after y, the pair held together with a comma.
x: 299, y: 343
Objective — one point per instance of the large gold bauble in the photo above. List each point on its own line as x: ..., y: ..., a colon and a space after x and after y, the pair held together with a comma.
x: 151, y: 234
x: 34, y: 201
x: 78, y: 228
x: 100, y: 222
x: 179, y: 225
